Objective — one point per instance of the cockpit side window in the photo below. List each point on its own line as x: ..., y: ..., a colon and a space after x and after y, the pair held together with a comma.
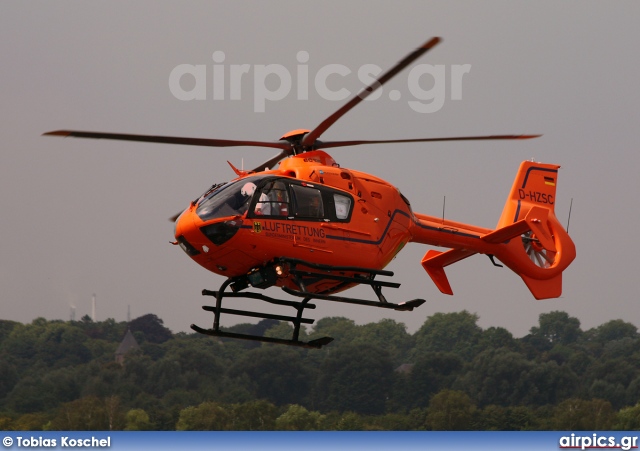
x: 273, y: 200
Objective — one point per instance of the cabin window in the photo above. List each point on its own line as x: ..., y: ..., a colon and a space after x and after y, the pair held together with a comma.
x: 308, y: 202
x: 286, y: 199
x: 343, y: 206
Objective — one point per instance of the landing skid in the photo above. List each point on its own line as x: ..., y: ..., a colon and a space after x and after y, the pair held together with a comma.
x: 303, y: 274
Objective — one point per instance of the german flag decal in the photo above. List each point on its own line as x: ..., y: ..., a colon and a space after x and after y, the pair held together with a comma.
x: 550, y: 181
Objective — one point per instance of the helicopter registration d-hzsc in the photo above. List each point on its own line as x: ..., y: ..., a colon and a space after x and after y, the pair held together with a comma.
x: 315, y: 229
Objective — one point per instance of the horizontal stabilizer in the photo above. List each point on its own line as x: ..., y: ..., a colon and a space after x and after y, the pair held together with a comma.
x: 536, y: 221
x: 434, y: 262
x: 506, y: 233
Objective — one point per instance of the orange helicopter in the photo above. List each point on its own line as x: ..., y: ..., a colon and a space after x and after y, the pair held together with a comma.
x: 315, y: 229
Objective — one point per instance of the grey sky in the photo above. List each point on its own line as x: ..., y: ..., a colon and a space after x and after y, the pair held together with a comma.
x: 86, y: 216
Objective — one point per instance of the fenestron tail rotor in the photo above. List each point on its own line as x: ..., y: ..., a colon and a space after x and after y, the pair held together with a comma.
x: 539, y: 256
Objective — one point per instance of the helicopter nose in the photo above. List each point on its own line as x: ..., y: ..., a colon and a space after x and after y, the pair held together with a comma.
x: 183, y: 228
x: 179, y: 223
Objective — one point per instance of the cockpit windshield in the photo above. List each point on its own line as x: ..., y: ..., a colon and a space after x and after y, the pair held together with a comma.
x: 228, y: 200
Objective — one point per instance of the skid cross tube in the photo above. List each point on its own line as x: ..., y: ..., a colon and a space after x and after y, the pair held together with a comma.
x: 296, y: 320
x: 303, y: 274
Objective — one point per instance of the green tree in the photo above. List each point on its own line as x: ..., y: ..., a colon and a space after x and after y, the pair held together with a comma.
x: 257, y: 415
x: 277, y: 374
x: 386, y: 334
x: 611, y: 392
x: 355, y: 378
x: 450, y: 410
x: 391, y: 422
x: 623, y: 348
x: 284, y: 331
x: 208, y: 416
x: 457, y: 333
x: 581, y: 415
x: 628, y: 419
x: 114, y: 413
x: 137, y: 420
x: 165, y: 375
x: 6, y: 327
x: 32, y: 394
x: 107, y: 330
x: 297, y: 418
x: 6, y: 423
x: 497, y: 376
x: 633, y: 391
x: 350, y: 421
x: 137, y: 369
x: 66, y: 383
x: 85, y: 414
x: 557, y: 327
x: 152, y: 328
x: 8, y: 377
x: 549, y: 383
x: 609, y: 378
x: 342, y: 330
x: 432, y: 372
x: 31, y: 422
x: 579, y: 361
x: 616, y: 329
x: 499, y: 418
x: 257, y: 330
x: 161, y: 417
x: 49, y: 342
x: 498, y: 337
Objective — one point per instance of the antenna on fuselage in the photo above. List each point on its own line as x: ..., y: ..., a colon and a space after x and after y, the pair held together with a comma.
x: 444, y: 202
x: 569, y: 218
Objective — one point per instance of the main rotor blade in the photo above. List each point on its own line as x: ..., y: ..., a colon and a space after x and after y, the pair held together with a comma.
x: 314, y: 134
x: 330, y: 144
x: 273, y: 161
x: 169, y: 139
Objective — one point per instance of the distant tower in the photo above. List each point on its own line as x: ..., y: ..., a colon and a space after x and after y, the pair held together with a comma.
x: 93, y: 308
x: 72, y: 312
x: 128, y: 344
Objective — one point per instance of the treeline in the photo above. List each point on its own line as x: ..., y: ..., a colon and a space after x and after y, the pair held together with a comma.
x: 449, y: 375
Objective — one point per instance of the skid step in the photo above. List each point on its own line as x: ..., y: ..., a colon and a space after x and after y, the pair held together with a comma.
x: 259, y: 296
x: 210, y: 308
x: 403, y: 306
x: 359, y: 280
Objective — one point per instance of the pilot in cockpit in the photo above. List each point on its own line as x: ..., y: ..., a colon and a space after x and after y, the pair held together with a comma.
x: 263, y: 206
